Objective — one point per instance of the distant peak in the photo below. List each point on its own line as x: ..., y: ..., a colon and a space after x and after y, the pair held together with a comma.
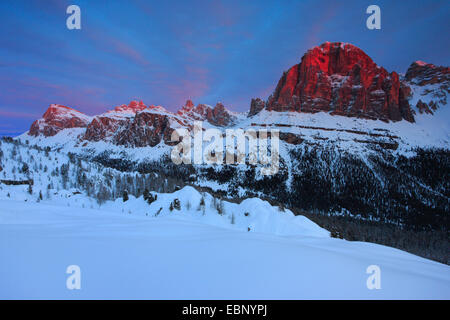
x: 327, y: 46
x: 58, y: 110
x: 58, y: 106
x: 423, y: 73
x: 135, y: 104
x: 56, y: 118
x: 189, y: 108
x: 422, y: 63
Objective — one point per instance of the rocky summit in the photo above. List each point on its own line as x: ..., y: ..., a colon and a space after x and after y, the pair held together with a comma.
x: 56, y: 118
x: 340, y: 78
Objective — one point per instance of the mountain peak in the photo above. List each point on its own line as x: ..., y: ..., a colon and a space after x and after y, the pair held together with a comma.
x: 56, y: 118
x: 189, y: 104
x: 58, y: 110
x: 133, y: 107
x: 422, y: 63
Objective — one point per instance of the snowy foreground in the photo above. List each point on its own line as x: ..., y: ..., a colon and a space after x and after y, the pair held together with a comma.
x: 250, y: 251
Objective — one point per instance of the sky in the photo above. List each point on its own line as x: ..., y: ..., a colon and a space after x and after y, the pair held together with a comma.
x: 165, y: 52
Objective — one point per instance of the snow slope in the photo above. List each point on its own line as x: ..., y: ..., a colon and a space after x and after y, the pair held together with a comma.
x: 219, y: 250
x: 125, y: 255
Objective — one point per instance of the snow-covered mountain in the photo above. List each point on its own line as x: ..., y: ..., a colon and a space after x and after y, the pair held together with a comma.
x: 335, y: 89
x: 356, y: 140
x: 57, y: 118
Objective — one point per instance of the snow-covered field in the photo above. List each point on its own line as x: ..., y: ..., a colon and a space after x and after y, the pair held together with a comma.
x: 126, y: 253
x: 198, y: 248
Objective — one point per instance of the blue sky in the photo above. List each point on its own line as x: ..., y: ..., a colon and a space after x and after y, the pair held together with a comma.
x: 164, y: 52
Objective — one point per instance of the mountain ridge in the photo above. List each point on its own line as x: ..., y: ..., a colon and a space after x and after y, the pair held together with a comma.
x: 335, y: 78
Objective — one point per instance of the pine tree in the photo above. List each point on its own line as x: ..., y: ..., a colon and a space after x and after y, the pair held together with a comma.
x: 177, y: 204
x: 125, y: 196
x: 25, y: 168
x: 219, y: 207
x: 201, y: 206
x: 145, y: 194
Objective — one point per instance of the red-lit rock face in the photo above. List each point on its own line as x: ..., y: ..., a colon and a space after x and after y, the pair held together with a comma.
x: 335, y: 77
x: 189, y: 110
x: 342, y: 79
x: 422, y: 73
x: 433, y: 84
x: 145, y: 129
x: 56, y: 118
x: 132, y: 125
x: 133, y: 106
x: 218, y: 116
x: 189, y: 104
x: 102, y: 127
x: 135, y: 125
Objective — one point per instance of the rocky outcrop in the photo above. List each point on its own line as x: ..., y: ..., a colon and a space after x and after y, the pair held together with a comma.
x: 103, y: 127
x: 145, y: 129
x: 132, y: 125
x: 190, y: 111
x: 422, y: 73
x: 425, y: 107
x: 431, y: 83
x: 217, y: 116
x: 256, y: 105
x: 291, y: 138
x: 341, y: 79
x: 56, y: 118
x: 107, y: 125
x: 133, y: 107
x: 336, y: 78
